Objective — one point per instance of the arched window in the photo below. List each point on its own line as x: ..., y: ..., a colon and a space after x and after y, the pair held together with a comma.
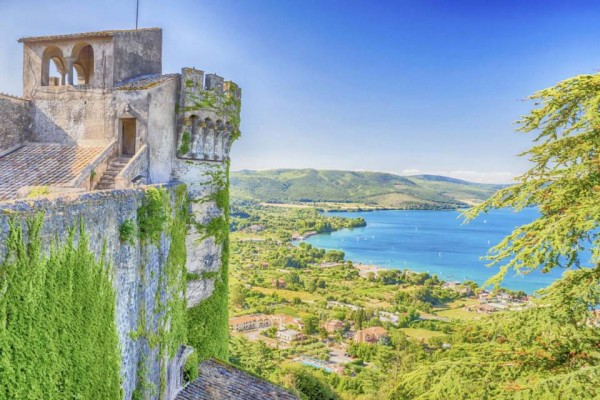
x: 54, y: 67
x: 83, y: 66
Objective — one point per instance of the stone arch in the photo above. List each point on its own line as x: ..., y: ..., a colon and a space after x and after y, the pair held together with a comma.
x: 53, y: 54
x: 83, y: 63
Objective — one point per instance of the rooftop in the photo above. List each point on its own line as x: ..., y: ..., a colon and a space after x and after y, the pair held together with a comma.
x: 246, y: 318
x: 375, y: 330
x: 144, y: 82
x: 42, y: 164
x: 83, y: 35
x: 220, y: 381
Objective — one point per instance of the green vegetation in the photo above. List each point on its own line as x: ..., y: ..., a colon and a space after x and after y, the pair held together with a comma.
x: 57, y: 313
x: 153, y: 214
x: 38, y: 191
x: 307, y: 382
x: 186, y: 140
x: 208, y: 330
x: 127, y: 231
x: 190, y: 370
x: 546, y: 348
x: 367, y: 189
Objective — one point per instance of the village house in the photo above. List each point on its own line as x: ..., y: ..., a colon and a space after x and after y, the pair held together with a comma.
x: 482, y: 308
x: 249, y: 322
x: 282, y: 321
x: 289, y: 335
x: 370, y: 335
x: 333, y: 325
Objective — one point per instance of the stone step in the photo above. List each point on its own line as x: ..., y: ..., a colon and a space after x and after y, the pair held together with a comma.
x: 115, y: 166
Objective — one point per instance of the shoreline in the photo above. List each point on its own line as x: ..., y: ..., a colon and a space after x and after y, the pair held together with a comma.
x: 359, y: 207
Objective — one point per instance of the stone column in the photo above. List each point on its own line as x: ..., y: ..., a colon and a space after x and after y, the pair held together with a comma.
x: 70, y: 62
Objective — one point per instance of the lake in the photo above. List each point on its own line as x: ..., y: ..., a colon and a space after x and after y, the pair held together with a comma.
x: 436, y: 242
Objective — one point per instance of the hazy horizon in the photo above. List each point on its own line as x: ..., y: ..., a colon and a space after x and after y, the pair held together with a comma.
x: 405, y: 87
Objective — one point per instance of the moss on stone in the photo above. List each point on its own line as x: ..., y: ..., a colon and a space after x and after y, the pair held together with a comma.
x: 186, y: 140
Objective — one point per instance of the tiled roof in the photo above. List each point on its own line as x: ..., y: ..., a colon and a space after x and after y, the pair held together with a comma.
x: 219, y: 381
x: 375, y: 330
x: 39, y: 164
x: 84, y: 35
x: 144, y: 82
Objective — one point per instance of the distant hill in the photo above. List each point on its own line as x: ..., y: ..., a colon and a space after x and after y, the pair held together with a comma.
x: 369, y: 188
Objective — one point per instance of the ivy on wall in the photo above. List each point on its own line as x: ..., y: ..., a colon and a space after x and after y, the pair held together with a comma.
x: 208, y: 329
x: 226, y: 104
x: 162, y: 214
x: 58, y: 337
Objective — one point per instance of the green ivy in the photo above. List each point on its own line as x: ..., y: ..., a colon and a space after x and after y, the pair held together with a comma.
x: 208, y: 329
x: 154, y: 214
x: 190, y: 369
x: 127, y: 231
x: 163, y: 213
x: 185, y: 143
x: 58, y: 337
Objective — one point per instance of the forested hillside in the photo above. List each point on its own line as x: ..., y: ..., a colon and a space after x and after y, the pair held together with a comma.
x: 368, y: 188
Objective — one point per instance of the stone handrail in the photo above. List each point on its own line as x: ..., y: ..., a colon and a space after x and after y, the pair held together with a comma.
x: 97, y: 167
x: 138, y: 165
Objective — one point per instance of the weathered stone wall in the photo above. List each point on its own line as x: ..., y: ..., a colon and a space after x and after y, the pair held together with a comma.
x: 73, y: 116
x: 137, y: 53
x: 203, y: 251
x: 15, y: 121
x: 136, y: 269
x: 162, y: 130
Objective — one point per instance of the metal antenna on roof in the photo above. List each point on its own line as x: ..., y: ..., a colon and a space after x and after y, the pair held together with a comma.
x: 137, y: 13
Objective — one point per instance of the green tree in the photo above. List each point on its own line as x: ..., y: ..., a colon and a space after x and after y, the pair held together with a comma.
x: 238, y: 295
x: 547, y: 351
x: 310, y: 383
x: 311, y: 324
x: 564, y: 182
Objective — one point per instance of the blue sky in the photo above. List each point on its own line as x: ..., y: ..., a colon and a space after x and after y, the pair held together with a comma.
x: 399, y: 86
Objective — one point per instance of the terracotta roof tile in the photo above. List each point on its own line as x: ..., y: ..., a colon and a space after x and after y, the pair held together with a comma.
x: 220, y: 381
x: 144, y: 82
x: 39, y: 164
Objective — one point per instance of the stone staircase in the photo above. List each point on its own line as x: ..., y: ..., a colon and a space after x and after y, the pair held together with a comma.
x: 114, y: 167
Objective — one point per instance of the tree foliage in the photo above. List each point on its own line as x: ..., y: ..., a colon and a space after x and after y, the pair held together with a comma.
x: 564, y: 182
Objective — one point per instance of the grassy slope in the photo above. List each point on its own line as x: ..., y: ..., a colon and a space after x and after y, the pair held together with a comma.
x: 372, y: 188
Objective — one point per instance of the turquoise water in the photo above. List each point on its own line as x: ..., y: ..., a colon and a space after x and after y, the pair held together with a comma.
x: 433, y: 241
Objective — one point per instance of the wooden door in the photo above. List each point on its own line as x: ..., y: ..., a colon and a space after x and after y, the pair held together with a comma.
x: 128, y: 136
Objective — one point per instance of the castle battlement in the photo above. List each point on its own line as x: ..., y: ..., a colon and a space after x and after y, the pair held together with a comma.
x: 209, y: 116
